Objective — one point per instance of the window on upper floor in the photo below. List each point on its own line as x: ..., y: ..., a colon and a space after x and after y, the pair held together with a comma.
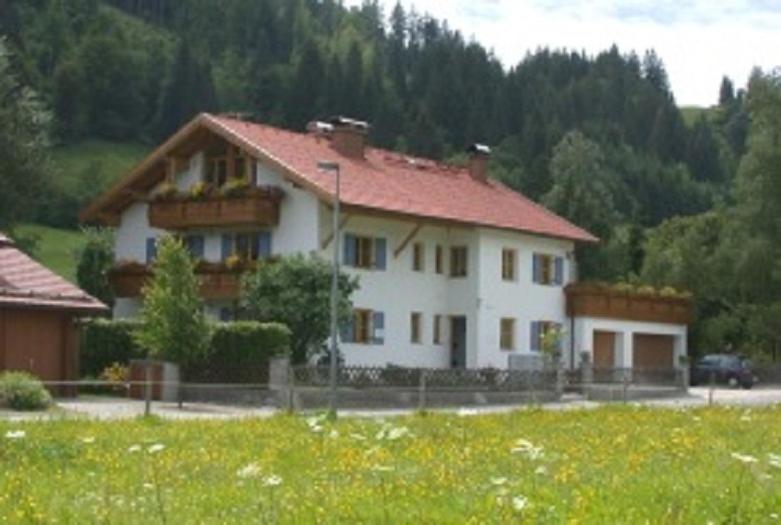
x: 247, y: 246
x: 195, y: 244
x: 418, y: 257
x: 364, y: 252
x: 458, y: 261
x: 547, y: 269
x: 508, y: 264
x: 507, y: 334
x: 416, y: 322
x: 232, y: 163
x: 439, y: 263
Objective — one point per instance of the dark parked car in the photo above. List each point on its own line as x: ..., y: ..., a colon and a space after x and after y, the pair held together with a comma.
x: 727, y: 369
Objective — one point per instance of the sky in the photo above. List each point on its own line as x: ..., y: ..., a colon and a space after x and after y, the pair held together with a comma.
x: 699, y: 41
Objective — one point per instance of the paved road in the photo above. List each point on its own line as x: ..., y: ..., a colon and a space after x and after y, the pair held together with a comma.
x: 120, y: 408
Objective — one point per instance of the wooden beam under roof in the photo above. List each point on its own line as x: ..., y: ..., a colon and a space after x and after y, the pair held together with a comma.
x: 411, y: 235
x: 330, y: 236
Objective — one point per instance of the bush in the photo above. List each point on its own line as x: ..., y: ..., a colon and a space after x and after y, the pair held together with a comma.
x: 240, y: 352
x: 105, y: 342
x: 22, y: 391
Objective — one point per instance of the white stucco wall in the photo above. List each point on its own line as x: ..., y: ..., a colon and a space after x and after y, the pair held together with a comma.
x: 521, y: 299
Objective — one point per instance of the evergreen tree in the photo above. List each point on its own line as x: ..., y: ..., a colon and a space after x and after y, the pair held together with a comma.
x: 95, y: 260
x: 173, y: 325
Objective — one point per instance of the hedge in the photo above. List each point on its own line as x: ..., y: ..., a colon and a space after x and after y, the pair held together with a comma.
x: 105, y: 342
x: 238, y: 352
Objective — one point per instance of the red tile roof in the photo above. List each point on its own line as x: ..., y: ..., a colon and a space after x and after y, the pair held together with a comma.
x: 383, y: 181
x: 399, y: 183
x: 26, y: 284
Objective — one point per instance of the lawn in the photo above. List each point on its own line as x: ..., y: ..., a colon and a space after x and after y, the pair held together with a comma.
x: 55, y: 248
x: 612, y: 465
x: 99, y: 162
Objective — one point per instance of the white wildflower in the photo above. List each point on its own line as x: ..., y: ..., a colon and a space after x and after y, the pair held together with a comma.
x: 520, y: 503
x: 148, y: 486
x: 157, y: 447
x: 88, y: 440
x: 333, y: 434
x: 251, y: 470
x: 397, y: 433
x: 774, y: 460
x: 499, y: 481
x: 134, y: 448
x: 774, y: 516
x: 16, y: 434
x: 541, y: 470
x: 466, y: 412
x: 744, y: 458
x: 527, y: 449
x: 382, y: 468
x: 272, y: 481
x: 358, y: 437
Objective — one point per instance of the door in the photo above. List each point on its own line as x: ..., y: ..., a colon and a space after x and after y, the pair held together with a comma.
x: 458, y: 342
x: 653, y: 351
x: 604, y: 349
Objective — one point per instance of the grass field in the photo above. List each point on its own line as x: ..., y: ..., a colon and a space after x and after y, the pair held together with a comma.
x: 100, y: 162
x: 610, y: 465
x: 55, y: 248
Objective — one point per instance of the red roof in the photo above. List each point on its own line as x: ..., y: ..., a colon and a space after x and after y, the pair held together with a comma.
x: 383, y: 181
x: 26, y: 284
x: 399, y: 183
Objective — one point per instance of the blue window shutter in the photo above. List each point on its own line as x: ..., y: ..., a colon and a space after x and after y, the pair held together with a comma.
x: 378, y: 328
x: 151, y: 250
x: 264, y: 244
x: 195, y: 243
x: 534, y: 343
x: 349, y: 250
x: 558, y: 270
x: 380, y: 253
x: 536, y: 268
x: 226, y: 314
x: 226, y: 246
x: 347, y: 331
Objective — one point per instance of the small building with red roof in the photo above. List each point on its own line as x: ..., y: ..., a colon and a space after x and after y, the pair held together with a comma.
x: 39, y: 314
x: 455, y: 268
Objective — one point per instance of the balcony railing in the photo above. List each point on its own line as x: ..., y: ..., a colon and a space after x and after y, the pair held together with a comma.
x: 591, y: 300
x: 255, y: 207
x: 218, y: 281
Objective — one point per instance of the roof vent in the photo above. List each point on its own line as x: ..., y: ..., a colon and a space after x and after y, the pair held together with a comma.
x: 319, y: 128
x: 478, y: 161
x: 349, y: 136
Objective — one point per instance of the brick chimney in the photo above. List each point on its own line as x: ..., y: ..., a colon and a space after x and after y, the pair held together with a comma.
x: 478, y: 161
x: 349, y: 136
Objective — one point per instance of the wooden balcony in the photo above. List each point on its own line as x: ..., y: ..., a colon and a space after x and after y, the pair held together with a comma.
x: 259, y: 207
x: 591, y: 300
x: 217, y: 280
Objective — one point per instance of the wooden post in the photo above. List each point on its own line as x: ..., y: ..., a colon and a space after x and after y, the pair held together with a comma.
x: 422, y: 391
x: 147, y: 388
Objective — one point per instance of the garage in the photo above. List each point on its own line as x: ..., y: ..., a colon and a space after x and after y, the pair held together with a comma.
x: 39, y: 317
x: 604, y: 349
x: 654, y: 351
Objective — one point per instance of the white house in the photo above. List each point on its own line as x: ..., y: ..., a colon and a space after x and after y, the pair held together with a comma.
x: 456, y: 269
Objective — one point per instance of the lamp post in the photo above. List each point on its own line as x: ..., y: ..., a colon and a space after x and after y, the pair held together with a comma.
x: 334, y: 167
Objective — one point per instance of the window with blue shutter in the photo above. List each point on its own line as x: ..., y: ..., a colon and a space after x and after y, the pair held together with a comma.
x: 534, y: 340
x: 558, y: 271
x: 378, y: 328
x: 226, y: 314
x: 226, y: 246
x: 195, y: 245
x: 380, y: 253
x: 264, y: 244
x: 151, y: 250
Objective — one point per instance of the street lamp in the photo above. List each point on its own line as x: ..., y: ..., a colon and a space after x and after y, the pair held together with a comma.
x: 334, y: 168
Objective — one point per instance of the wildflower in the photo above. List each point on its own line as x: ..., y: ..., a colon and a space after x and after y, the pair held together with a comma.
x: 392, y: 433
x: 527, y: 449
x: 272, y: 481
x: 541, y: 470
x: 499, y: 481
x: 466, y: 412
x: 314, y: 423
x: 333, y: 434
x: 134, y: 448
x: 148, y: 486
x: 744, y: 458
x: 358, y: 437
x: 88, y: 440
x: 774, y: 460
x: 774, y: 516
x: 157, y: 447
x: 382, y: 468
x: 520, y: 503
x: 15, y: 434
x: 249, y: 471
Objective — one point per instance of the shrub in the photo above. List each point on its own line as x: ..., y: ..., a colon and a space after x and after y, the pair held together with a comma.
x: 22, y: 391
x: 240, y: 352
x: 105, y: 342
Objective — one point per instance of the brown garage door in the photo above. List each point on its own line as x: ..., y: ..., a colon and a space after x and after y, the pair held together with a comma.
x: 34, y: 341
x: 653, y: 351
x: 604, y: 349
